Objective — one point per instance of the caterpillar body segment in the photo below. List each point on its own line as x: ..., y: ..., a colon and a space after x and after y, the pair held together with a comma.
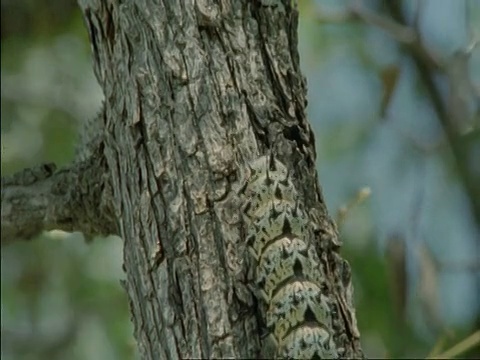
x: 308, y: 342
x: 310, y: 306
x: 273, y: 220
x: 283, y: 260
x: 286, y: 268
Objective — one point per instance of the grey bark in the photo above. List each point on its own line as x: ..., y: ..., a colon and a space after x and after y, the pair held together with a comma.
x: 193, y: 91
x: 43, y: 198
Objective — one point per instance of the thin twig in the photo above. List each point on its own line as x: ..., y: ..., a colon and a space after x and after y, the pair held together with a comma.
x: 398, y: 31
x: 463, y: 346
x: 426, y: 71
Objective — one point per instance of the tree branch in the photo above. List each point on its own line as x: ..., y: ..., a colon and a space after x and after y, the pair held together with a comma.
x: 42, y: 198
x: 428, y: 66
x: 459, y: 149
x: 402, y: 33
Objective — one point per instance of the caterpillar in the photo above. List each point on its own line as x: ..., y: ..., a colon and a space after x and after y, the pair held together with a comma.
x: 284, y: 266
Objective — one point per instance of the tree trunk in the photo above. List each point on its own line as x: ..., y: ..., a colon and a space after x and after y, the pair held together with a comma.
x: 196, y: 93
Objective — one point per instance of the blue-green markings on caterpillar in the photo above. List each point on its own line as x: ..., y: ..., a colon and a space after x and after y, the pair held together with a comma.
x: 312, y: 342
x: 273, y: 219
x: 285, y: 259
x: 286, y: 273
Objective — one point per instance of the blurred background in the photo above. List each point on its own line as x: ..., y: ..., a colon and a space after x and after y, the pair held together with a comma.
x: 394, y: 90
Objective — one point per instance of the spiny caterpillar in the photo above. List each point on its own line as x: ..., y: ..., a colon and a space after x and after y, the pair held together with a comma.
x: 285, y: 266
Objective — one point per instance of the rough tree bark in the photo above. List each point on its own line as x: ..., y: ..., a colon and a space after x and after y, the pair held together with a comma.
x: 194, y: 90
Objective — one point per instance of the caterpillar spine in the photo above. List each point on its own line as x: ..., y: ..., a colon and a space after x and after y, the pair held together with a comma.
x: 284, y: 264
